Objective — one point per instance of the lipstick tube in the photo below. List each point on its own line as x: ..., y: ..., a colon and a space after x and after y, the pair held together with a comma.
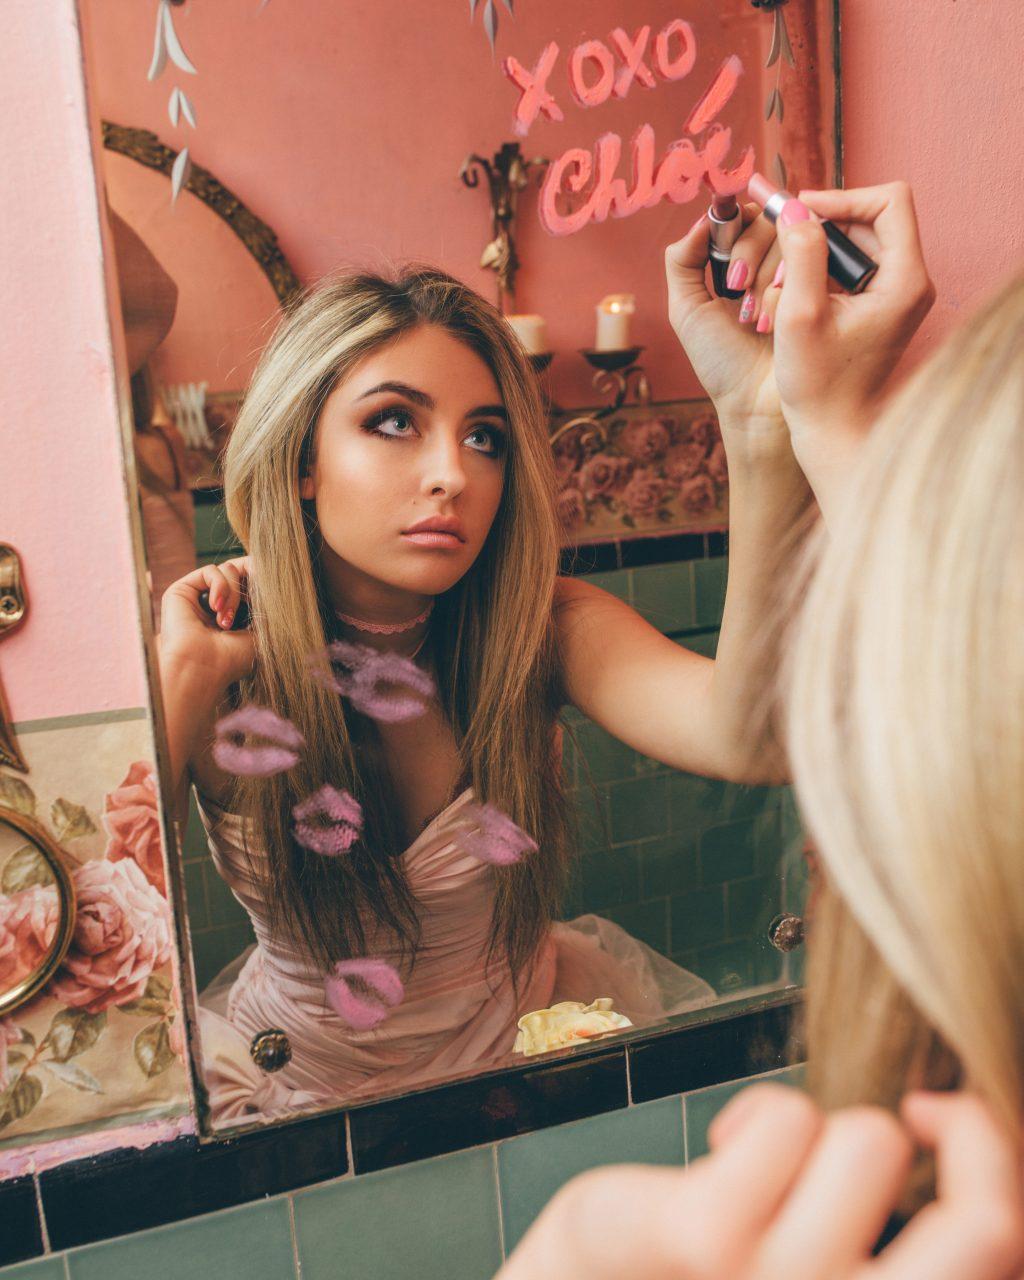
x: 848, y: 265
x: 726, y: 219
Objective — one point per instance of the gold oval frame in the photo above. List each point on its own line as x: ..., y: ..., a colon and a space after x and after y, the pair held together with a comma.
x: 38, y: 836
x: 147, y: 149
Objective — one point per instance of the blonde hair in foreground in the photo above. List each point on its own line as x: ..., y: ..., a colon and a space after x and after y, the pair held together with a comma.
x: 491, y: 638
x: 906, y: 737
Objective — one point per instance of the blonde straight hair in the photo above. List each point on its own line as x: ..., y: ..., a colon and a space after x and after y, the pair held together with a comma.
x: 491, y: 637
x: 905, y: 726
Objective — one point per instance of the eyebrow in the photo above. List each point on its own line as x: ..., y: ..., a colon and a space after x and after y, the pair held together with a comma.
x: 421, y: 398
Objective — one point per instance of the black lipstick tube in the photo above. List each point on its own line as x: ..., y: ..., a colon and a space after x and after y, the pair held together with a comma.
x: 848, y: 266
x: 723, y: 235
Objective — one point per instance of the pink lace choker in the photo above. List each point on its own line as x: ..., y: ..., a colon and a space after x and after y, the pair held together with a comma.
x: 385, y: 628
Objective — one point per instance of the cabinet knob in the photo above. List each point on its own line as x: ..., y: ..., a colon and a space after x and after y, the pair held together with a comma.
x: 786, y: 932
x: 270, y: 1049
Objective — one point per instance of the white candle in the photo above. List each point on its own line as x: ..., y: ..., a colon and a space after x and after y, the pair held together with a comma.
x: 613, y: 314
x: 532, y: 332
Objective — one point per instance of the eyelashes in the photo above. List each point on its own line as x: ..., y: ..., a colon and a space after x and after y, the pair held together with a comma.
x: 372, y: 426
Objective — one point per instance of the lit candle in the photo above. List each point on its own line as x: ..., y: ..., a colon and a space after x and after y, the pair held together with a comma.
x: 532, y: 332
x: 613, y: 314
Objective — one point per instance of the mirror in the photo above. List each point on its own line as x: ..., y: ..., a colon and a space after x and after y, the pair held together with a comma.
x: 372, y: 136
x: 37, y: 906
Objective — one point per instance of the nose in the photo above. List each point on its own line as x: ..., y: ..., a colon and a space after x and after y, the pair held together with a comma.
x: 444, y: 473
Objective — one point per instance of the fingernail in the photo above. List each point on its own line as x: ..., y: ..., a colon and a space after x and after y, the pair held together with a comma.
x: 762, y: 324
x: 747, y: 307
x: 793, y: 211
x: 779, y: 276
x: 736, y: 276
x: 227, y: 620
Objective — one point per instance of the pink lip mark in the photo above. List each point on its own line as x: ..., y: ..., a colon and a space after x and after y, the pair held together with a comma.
x: 384, y: 686
x: 328, y: 822
x: 485, y: 833
x: 233, y: 755
x: 362, y: 992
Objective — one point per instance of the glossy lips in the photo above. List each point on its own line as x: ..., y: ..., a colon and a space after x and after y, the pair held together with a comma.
x: 384, y: 686
x: 233, y: 754
x: 485, y: 833
x: 362, y: 992
x: 328, y: 822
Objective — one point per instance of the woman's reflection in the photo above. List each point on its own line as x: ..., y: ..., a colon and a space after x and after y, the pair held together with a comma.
x: 391, y: 479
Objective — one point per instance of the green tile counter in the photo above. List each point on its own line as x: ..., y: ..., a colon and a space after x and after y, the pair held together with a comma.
x: 449, y: 1218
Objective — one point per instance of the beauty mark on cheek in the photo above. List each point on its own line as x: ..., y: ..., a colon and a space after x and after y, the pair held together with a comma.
x: 235, y: 752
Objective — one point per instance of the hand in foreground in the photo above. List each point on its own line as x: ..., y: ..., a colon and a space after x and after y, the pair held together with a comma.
x: 788, y: 1191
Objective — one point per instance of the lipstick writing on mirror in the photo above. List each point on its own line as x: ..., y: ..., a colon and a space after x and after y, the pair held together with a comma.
x: 848, y: 265
x: 726, y: 222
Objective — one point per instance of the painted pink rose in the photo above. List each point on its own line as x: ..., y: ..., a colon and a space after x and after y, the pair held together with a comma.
x: 684, y: 461
x: 643, y: 495
x: 122, y: 934
x: 645, y: 441
x: 9, y: 1035
x: 718, y: 468
x: 604, y: 475
x: 132, y: 819
x: 704, y: 431
x: 697, y: 496
x: 28, y: 923
x: 571, y: 509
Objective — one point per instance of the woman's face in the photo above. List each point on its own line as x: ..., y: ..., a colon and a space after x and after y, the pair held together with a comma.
x: 416, y: 431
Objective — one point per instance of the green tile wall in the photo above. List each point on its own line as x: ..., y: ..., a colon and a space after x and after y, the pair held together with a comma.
x: 449, y: 1218
x: 694, y: 867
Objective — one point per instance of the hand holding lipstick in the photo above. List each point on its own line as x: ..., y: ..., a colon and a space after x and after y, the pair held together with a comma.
x: 833, y: 350
x: 200, y: 630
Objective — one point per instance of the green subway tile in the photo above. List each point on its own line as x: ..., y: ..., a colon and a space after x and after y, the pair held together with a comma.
x: 195, y: 896
x: 250, y: 1243
x: 569, y: 757
x: 703, y: 642
x: 532, y: 1168
x: 639, y: 809
x: 667, y: 866
x: 727, y: 851
x: 730, y: 967
x: 647, y: 921
x: 224, y: 906
x: 751, y: 905
x: 594, y: 824
x: 213, y: 533
x: 694, y: 804
x: 697, y: 918
x: 193, y: 841
x: 663, y: 594
x: 603, y: 758
x: 703, y: 1105
x: 42, y: 1269
x: 609, y: 877
x: 212, y: 949
x: 616, y: 581
x: 709, y: 578
x: 435, y: 1220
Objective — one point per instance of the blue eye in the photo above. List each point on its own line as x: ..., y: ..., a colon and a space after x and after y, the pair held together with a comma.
x: 496, y: 438
x: 374, y: 424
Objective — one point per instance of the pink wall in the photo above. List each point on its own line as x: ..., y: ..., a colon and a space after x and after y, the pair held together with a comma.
x: 932, y: 94
x: 349, y: 144
x: 63, y: 501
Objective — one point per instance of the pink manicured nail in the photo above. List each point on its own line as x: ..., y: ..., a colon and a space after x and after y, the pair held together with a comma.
x: 747, y: 307
x: 780, y: 275
x: 228, y: 618
x: 736, y: 276
x: 762, y: 324
x: 793, y: 211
